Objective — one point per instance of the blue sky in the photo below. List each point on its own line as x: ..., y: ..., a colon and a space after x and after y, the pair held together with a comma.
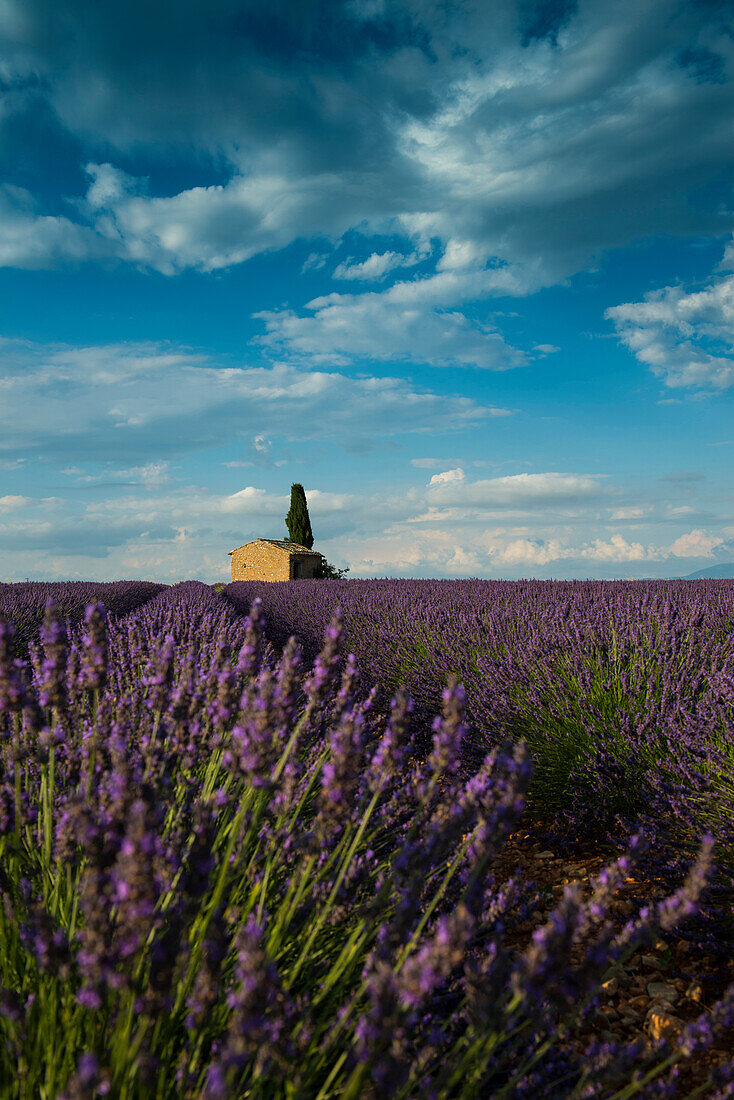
x: 465, y: 271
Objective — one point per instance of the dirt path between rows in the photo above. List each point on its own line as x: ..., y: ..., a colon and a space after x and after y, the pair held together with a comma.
x: 662, y: 987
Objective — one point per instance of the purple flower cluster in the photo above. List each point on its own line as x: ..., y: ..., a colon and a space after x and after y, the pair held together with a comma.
x: 24, y: 603
x: 227, y: 871
x: 623, y: 691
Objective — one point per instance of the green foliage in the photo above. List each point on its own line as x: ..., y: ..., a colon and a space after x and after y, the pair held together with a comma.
x: 297, y: 521
x: 328, y: 572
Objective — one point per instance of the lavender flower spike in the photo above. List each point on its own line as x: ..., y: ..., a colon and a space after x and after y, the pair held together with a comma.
x: 93, y: 674
x: 55, y: 652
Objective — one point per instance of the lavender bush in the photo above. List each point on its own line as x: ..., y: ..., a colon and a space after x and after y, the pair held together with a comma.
x: 624, y: 691
x: 224, y: 874
x: 24, y: 603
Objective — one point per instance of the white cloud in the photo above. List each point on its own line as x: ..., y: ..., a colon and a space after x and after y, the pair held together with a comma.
x: 525, y: 551
x: 11, y: 501
x: 463, y: 561
x: 110, y: 186
x: 628, y: 513
x: 252, y: 500
x: 145, y: 402
x: 314, y: 262
x: 523, y: 490
x: 618, y: 549
x: 398, y: 533
x: 249, y: 499
x: 152, y: 475
x: 375, y: 267
x: 208, y: 228
x: 685, y: 337
x: 680, y: 509
x: 447, y: 476
x: 461, y: 255
x: 394, y: 325
x: 696, y: 544
x: 29, y: 239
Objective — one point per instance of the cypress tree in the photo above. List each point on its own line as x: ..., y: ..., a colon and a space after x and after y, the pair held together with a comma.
x: 297, y: 521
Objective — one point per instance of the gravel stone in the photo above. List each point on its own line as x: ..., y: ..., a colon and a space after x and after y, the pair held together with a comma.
x: 662, y: 991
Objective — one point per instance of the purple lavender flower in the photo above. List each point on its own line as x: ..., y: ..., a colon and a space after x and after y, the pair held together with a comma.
x: 257, y: 1038
x: 544, y: 972
x: 13, y: 689
x: 340, y: 774
x: 55, y: 651
x: 327, y: 662
x: 93, y: 671
x: 392, y: 749
x: 250, y: 652
x: 89, y: 1080
x: 160, y: 675
x: 432, y: 963
x: 448, y: 734
x: 379, y: 1039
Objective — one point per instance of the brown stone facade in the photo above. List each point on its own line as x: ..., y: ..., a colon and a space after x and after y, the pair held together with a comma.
x: 273, y: 560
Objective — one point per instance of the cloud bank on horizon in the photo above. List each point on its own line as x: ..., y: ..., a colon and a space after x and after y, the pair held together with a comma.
x: 352, y: 243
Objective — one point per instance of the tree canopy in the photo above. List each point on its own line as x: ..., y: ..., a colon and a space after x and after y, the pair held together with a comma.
x: 297, y: 521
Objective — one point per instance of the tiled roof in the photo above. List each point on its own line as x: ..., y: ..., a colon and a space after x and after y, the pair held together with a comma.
x: 283, y: 544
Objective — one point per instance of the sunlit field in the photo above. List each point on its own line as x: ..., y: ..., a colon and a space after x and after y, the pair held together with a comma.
x: 248, y: 839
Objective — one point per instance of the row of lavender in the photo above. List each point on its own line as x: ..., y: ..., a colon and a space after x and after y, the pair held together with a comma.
x: 24, y: 603
x: 624, y: 691
x: 225, y: 874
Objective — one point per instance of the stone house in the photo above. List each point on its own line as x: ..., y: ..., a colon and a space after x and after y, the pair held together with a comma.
x: 273, y: 560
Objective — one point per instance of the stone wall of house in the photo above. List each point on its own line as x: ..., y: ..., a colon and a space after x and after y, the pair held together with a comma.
x: 260, y: 562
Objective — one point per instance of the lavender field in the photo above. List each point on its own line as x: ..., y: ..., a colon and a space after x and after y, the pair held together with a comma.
x: 238, y: 865
x: 624, y: 691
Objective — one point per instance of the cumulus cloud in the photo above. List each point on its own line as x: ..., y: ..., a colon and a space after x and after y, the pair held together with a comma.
x: 389, y: 326
x: 685, y: 337
x: 447, y: 476
x: 526, y: 552
x: 184, y: 530
x: 618, y: 549
x: 696, y: 544
x: 207, y: 228
x: 249, y: 499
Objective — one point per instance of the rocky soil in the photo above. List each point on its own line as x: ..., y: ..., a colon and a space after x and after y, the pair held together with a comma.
x: 661, y: 987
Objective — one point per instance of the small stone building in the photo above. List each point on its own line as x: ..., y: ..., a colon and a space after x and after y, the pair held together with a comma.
x: 273, y: 560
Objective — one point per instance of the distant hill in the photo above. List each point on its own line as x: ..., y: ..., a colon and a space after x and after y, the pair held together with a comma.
x: 714, y: 572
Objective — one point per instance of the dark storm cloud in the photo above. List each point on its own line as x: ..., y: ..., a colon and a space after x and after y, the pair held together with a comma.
x: 220, y: 75
x: 537, y: 134
x: 544, y: 18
